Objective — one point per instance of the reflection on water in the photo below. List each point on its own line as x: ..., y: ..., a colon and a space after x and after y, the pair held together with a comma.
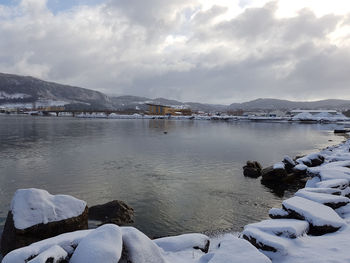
x: 188, y: 179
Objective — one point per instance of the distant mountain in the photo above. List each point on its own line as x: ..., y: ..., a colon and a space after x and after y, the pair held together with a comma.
x: 24, y: 90
x: 140, y: 103
x: 276, y: 104
x: 16, y: 89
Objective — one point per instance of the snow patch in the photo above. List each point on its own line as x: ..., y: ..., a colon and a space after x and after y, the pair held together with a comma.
x: 35, y: 206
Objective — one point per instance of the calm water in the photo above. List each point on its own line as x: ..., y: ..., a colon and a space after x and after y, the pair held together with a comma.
x: 189, y: 179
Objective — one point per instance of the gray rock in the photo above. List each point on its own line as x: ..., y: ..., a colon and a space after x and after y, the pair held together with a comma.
x: 252, y: 169
x: 115, y: 212
x: 271, y: 174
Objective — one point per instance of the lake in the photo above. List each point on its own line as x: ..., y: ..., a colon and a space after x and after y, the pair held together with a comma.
x: 188, y: 179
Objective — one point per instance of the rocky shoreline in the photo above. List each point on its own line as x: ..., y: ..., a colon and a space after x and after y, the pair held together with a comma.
x: 313, y: 222
x: 288, y: 172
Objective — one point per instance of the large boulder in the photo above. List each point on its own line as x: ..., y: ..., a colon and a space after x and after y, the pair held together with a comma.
x: 273, y: 173
x: 252, y: 169
x: 322, y: 219
x: 300, y: 169
x: 115, y: 212
x: 36, y: 215
x: 311, y: 160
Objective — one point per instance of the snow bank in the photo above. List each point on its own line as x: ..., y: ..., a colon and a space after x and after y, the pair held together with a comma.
x: 183, y: 242
x: 104, y: 244
x: 303, y: 116
x: 35, y: 206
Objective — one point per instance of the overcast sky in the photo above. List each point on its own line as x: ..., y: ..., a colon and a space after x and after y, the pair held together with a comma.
x: 220, y: 51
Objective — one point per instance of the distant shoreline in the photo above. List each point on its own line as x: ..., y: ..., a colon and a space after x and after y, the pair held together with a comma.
x: 316, y: 120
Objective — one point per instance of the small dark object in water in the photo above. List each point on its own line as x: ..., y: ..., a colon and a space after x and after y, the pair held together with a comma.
x: 165, y: 132
x: 341, y: 131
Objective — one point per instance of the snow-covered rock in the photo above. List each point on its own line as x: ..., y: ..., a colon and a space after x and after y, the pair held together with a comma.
x: 300, y: 169
x: 333, y: 183
x: 234, y: 250
x: 331, y: 191
x: 278, y: 213
x: 312, y: 183
x: 35, y: 206
x: 311, y: 160
x: 266, y: 241
x: 36, y: 215
x: 104, y: 244
x: 279, y: 165
x: 183, y: 242
x: 333, y: 201
x: 322, y: 219
x: 67, y: 241
x: 138, y: 248
x: 290, y: 228
x: 328, y: 173
x: 289, y: 163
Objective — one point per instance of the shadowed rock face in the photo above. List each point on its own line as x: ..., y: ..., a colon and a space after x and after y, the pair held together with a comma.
x: 271, y: 174
x: 13, y: 238
x: 252, y: 169
x: 259, y: 245
x: 116, y: 212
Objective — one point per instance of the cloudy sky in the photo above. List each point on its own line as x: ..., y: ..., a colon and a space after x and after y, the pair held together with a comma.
x: 220, y: 51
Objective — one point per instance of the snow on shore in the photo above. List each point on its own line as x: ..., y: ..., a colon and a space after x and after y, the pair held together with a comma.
x: 337, y: 118
x: 278, y: 240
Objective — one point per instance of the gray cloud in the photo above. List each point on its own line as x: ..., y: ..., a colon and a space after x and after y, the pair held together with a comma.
x: 176, y: 50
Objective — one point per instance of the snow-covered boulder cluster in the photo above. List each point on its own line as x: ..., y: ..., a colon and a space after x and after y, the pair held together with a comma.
x: 112, y: 244
x: 37, y: 209
x: 322, y: 207
x: 289, y: 170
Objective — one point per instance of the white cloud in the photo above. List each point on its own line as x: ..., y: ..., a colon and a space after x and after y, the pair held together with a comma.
x: 210, y: 51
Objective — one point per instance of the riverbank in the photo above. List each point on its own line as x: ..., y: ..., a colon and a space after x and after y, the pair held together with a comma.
x: 277, y: 240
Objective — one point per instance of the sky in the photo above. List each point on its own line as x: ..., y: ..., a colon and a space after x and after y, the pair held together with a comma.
x: 220, y: 51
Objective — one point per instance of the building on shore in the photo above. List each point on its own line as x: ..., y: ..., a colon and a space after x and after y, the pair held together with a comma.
x: 157, y: 109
